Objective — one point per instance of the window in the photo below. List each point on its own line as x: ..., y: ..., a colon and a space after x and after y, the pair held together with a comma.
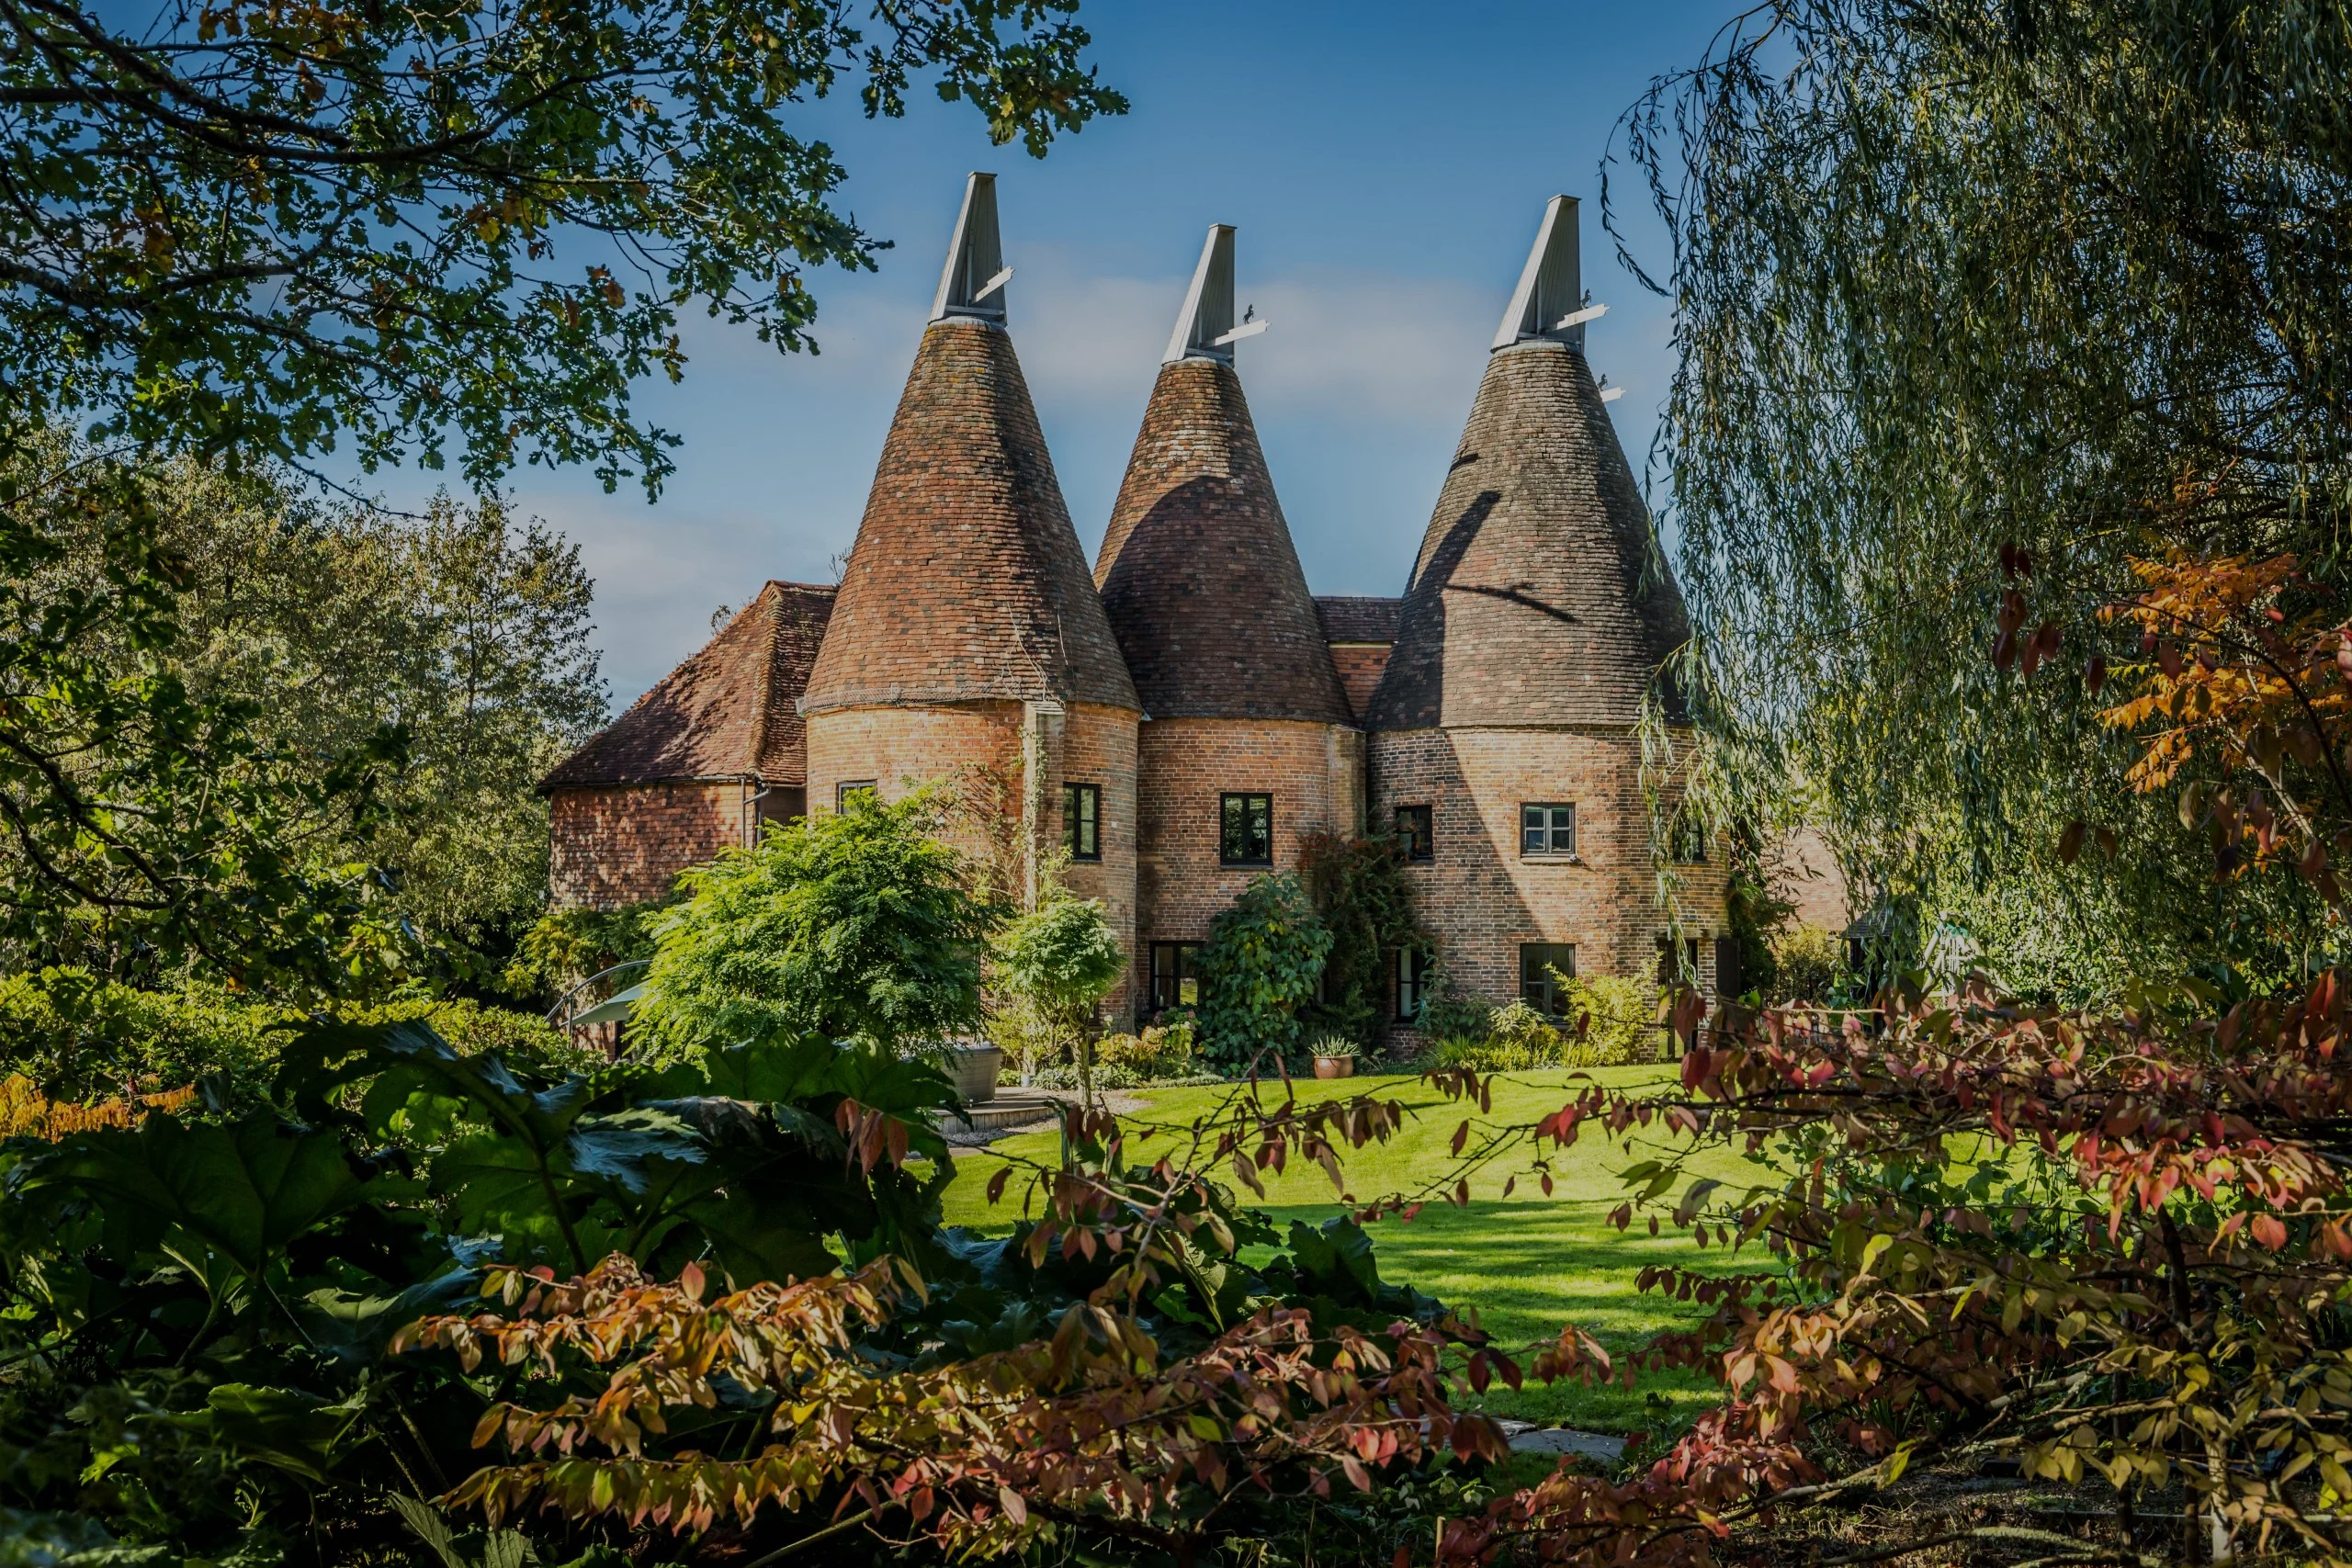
x: 1416, y: 832
x: 1412, y: 981
x: 1669, y: 970
x: 1547, y: 829
x: 1082, y: 820
x: 848, y: 787
x: 1175, y: 974
x: 1246, y: 829
x: 1690, y: 840
x: 1539, y: 986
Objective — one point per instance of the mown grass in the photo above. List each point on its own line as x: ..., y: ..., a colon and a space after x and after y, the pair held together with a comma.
x: 1526, y: 1263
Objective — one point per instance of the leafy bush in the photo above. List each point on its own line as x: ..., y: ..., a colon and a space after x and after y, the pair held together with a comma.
x: 853, y: 923
x: 1160, y: 1052
x: 77, y: 1036
x: 1617, y: 1016
x: 1447, y: 1013
x: 1365, y: 900
x: 1613, y: 1021
x: 1261, y: 963
x: 564, y: 947
x: 1810, y: 964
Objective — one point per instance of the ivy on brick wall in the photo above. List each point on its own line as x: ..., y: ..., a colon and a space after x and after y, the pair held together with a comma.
x: 1364, y: 899
x: 1261, y: 966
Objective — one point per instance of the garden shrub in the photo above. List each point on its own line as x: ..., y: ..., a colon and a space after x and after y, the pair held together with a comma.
x: 1618, y: 1017
x: 1157, y: 1053
x: 78, y: 1037
x: 1061, y: 959
x: 1261, y: 963
x: 854, y: 923
x: 1364, y: 899
x: 1810, y: 964
x: 1447, y: 1013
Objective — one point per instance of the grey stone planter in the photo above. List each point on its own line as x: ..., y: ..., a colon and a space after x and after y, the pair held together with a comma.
x: 974, y: 1070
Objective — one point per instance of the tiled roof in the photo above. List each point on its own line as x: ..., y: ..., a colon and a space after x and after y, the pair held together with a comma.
x: 967, y: 581
x: 726, y: 712
x: 1539, y: 596
x: 1358, y: 619
x: 1199, y: 577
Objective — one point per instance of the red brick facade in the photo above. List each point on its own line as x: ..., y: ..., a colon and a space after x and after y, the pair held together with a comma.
x: 1314, y: 771
x: 969, y: 643
x: 626, y: 844
x: 1484, y: 897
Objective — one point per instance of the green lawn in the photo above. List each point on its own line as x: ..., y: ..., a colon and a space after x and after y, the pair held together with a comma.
x: 1526, y: 1263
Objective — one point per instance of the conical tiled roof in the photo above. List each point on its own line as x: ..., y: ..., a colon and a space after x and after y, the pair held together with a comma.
x: 1539, y: 597
x: 967, y: 581
x: 726, y: 712
x: 1198, y: 574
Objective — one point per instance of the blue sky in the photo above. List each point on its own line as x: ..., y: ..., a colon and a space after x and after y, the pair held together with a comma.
x: 1385, y: 165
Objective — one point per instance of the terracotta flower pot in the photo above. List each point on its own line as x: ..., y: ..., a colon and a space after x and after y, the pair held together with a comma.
x: 1335, y: 1067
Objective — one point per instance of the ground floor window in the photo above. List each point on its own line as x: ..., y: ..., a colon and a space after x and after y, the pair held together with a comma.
x: 1175, y: 974
x: 1678, y: 965
x: 1543, y: 965
x: 1412, y: 982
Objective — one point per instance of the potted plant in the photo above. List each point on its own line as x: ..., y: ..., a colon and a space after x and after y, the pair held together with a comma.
x: 1335, y: 1056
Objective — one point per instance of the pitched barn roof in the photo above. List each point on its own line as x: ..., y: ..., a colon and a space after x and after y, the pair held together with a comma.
x: 1357, y: 619
x: 1539, y: 596
x: 967, y: 581
x: 726, y: 713
x: 1198, y: 574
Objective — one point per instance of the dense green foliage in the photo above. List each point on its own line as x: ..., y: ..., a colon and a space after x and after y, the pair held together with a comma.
x: 1260, y: 965
x: 2067, y: 275
x: 147, y: 824
x: 77, y: 1036
x: 265, y: 228
x: 1060, y: 960
x: 461, y: 634
x: 198, y: 1308
x: 1365, y: 900
x: 855, y: 922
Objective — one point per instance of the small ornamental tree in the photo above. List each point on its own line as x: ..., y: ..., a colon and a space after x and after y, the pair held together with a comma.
x: 1063, y: 960
x: 1263, y: 962
x: 854, y: 923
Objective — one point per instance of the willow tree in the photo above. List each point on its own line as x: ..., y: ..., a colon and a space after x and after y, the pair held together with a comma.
x: 1979, y: 297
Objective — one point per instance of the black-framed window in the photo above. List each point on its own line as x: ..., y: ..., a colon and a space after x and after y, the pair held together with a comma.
x: 1417, y: 832
x: 1669, y: 971
x: 1412, y: 983
x: 1082, y: 820
x: 848, y: 787
x: 1547, y: 829
x: 1539, y: 987
x: 1690, y: 840
x: 1175, y: 974
x: 1246, y: 830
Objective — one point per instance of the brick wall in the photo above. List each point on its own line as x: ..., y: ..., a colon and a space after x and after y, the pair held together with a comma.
x: 1360, y: 664
x: 626, y: 844
x: 901, y: 748
x: 1483, y: 899
x: 1315, y: 771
